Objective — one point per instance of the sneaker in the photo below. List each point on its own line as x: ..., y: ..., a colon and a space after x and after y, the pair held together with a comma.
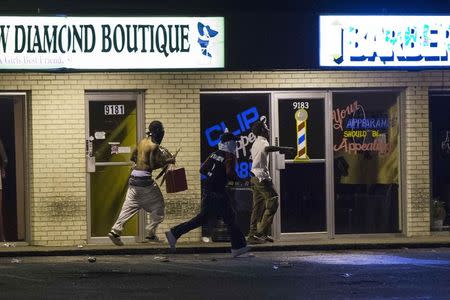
x: 115, y: 238
x: 153, y: 239
x: 171, y: 240
x: 268, y: 238
x: 254, y: 239
x: 240, y: 252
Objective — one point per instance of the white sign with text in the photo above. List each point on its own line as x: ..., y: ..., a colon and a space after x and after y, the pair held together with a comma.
x: 111, y: 42
x: 384, y: 41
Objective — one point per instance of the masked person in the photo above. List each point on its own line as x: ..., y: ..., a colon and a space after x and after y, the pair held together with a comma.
x: 219, y: 168
x: 143, y: 192
x: 265, y: 198
x: 3, y: 163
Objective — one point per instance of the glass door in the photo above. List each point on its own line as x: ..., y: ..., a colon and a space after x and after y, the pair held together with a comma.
x: 299, y: 121
x: 112, y: 135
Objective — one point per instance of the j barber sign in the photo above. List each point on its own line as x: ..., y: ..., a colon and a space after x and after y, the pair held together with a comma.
x: 384, y: 41
x: 111, y: 42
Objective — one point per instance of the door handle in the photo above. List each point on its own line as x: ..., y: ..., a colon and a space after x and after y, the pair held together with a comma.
x: 90, y: 164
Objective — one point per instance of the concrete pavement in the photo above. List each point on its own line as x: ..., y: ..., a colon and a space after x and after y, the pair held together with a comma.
x: 440, y: 239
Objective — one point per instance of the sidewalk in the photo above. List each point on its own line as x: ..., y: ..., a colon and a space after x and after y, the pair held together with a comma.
x: 441, y: 239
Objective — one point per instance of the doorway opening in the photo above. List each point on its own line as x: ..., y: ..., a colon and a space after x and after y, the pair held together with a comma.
x: 13, y: 207
x: 440, y: 160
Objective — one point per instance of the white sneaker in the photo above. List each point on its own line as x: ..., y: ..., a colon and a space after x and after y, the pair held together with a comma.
x: 240, y: 252
x: 115, y: 238
x: 171, y: 239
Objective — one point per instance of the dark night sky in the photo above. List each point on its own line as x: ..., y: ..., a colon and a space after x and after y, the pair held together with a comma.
x: 277, y: 34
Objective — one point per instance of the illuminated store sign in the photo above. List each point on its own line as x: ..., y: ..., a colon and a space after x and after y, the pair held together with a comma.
x: 111, y: 43
x: 384, y: 41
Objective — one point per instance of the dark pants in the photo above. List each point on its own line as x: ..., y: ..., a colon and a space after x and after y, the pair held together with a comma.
x: 211, y: 223
x: 214, y: 204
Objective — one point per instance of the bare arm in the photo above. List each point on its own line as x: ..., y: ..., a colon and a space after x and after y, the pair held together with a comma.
x: 282, y: 150
x: 161, y: 158
x: 134, y: 155
x: 170, y: 160
x: 172, y: 157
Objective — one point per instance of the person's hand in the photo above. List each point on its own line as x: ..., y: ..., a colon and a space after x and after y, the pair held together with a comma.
x: 231, y: 183
x: 292, y: 151
x: 267, y: 182
x: 288, y: 150
x: 171, y: 160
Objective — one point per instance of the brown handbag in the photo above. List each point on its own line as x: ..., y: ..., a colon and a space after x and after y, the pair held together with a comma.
x: 175, y: 178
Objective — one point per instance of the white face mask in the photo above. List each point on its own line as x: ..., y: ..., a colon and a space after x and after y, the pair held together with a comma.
x: 229, y: 147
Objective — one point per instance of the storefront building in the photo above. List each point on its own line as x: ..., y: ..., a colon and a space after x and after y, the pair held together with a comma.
x: 366, y: 161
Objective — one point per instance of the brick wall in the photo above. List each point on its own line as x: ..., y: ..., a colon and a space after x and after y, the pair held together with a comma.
x: 56, y: 123
x: 417, y: 175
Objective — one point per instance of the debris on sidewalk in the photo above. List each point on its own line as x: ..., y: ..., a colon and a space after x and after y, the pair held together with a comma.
x: 285, y: 264
x: 15, y: 261
x: 92, y: 259
x: 161, y: 258
x: 9, y: 245
x: 282, y: 264
x: 80, y: 246
x: 346, y: 275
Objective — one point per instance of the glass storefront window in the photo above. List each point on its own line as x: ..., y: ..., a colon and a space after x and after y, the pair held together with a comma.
x: 366, y: 162
x: 236, y: 112
x: 440, y: 161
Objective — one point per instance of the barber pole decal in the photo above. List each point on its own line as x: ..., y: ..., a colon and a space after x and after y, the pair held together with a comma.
x: 301, y: 116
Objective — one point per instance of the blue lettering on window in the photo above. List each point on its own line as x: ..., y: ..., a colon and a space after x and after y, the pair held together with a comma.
x: 242, y: 170
x: 244, y: 120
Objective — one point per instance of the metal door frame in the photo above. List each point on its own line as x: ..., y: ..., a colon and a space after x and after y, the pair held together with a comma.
x: 92, y: 96
x: 328, y: 160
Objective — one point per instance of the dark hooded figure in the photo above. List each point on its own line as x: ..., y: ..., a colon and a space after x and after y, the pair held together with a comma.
x: 143, y: 192
x: 218, y: 168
